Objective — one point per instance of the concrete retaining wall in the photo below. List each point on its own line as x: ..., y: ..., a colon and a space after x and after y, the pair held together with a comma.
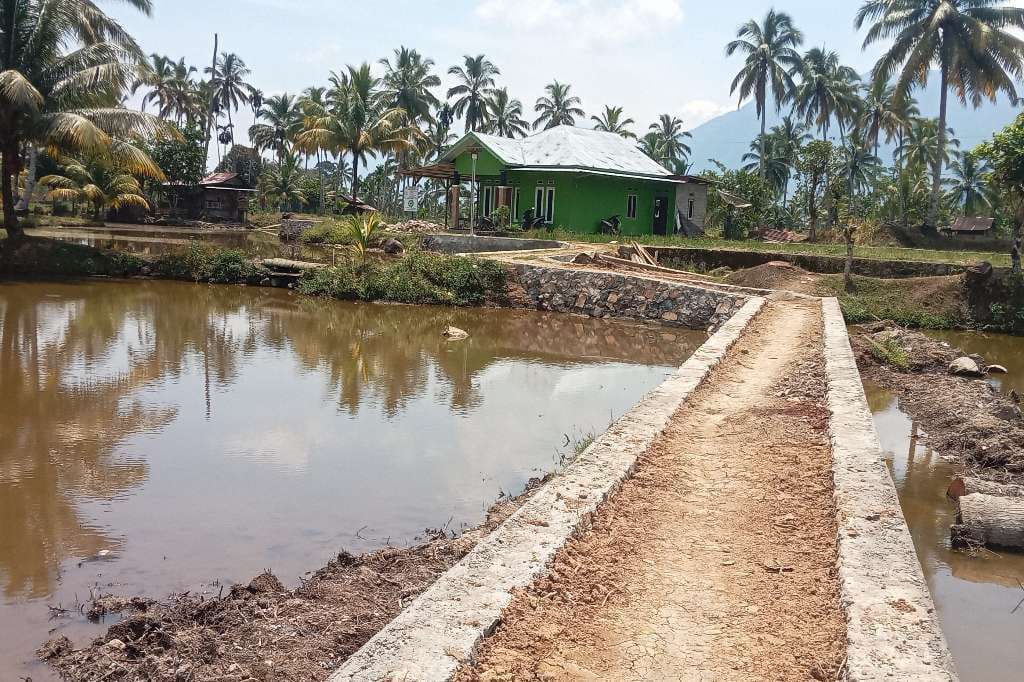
x: 893, y: 630
x: 870, y: 267
x: 428, y: 641
x: 635, y: 297
x: 464, y: 243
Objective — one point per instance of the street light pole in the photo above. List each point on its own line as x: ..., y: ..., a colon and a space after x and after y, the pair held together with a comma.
x: 472, y: 198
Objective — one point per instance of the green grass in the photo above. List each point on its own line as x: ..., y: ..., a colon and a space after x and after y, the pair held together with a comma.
x: 35, y: 257
x: 890, y: 352
x: 816, y: 249
x: 924, y: 303
x: 201, y: 263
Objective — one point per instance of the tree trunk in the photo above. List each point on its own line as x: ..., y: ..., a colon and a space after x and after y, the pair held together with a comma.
x: 1015, y: 254
x: 764, y: 146
x: 30, y: 180
x: 7, y: 170
x: 355, y: 176
x: 812, y: 211
x: 848, y: 267
x: 968, y: 485
x: 932, y: 222
x: 209, y: 105
x: 989, y: 520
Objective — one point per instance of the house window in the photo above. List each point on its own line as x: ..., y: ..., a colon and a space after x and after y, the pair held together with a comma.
x: 538, y: 202
x: 549, y: 205
x: 515, y: 203
x: 631, y: 206
x: 488, y: 200
x: 689, y: 210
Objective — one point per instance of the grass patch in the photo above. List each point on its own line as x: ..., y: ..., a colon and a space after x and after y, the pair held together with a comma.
x: 890, y: 352
x: 201, y: 263
x: 923, y: 302
x: 419, y: 277
x: 37, y: 257
x: 960, y: 257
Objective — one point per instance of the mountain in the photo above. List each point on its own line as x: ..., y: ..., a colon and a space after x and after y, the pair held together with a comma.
x: 728, y: 137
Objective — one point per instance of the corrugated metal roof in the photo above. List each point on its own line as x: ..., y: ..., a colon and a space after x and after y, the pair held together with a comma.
x: 218, y: 178
x: 567, y: 147
x: 968, y: 224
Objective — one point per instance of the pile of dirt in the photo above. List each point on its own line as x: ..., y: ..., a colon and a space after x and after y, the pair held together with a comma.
x: 262, y: 631
x: 964, y: 417
x: 776, y: 275
x: 416, y: 227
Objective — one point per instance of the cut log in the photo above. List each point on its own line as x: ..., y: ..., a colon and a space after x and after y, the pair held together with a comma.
x: 285, y: 264
x: 968, y: 485
x: 989, y: 520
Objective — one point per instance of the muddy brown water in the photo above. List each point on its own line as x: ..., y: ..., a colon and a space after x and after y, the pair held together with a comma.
x: 979, y: 598
x: 164, y: 436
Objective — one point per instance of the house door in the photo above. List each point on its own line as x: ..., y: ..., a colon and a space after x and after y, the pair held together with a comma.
x: 661, y: 215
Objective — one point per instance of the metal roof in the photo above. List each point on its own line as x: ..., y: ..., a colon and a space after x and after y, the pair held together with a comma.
x: 218, y: 178
x: 967, y: 224
x: 568, y: 148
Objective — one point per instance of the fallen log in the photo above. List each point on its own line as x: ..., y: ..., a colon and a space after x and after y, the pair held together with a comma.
x: 989, y: 520
x: 621, y: 262
x: 285, y: 264
x: 968, y: 485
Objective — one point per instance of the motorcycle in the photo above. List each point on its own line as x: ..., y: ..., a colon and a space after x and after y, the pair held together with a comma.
x: 612, y: 225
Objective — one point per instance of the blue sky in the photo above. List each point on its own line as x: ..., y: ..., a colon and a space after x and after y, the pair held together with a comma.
x: 649, y: 56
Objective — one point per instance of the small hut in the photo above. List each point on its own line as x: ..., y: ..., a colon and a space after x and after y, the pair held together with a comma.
x: 217, y: 197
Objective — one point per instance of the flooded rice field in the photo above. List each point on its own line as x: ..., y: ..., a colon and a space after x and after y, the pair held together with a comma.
x: 164, y: 436
x: 980, y: 598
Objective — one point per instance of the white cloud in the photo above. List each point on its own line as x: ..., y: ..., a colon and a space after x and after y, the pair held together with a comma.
x: 584, y: 23
x: 699, y: 111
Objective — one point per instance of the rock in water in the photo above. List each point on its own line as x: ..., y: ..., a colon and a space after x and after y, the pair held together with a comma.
x: 454, y: 333
x: 996, y: 369
x: 965, y: 367
x: 393, y: 247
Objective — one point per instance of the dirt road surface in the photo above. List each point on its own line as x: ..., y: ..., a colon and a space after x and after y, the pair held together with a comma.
x: 716, y: 560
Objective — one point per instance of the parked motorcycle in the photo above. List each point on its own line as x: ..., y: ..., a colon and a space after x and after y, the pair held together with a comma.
x: 612, y: 225
x: 532, y: 221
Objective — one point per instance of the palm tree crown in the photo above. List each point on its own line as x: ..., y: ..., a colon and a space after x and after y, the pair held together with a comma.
x: 827, y: 91
x: 505, y: 115
x: 613, y: 120
x: 475, y: 80
x: 558, y: 107
x: 407, y: 84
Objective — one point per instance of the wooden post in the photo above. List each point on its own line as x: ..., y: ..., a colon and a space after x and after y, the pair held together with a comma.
x: 453, y: 206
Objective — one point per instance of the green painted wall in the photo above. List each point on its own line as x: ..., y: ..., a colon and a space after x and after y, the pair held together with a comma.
x: 486, y: 164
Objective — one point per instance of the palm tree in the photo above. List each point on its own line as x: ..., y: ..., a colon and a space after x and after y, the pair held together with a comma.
x: 827, y: 91
x: 363, y: 230
x: 165, y: 79
x: 925, y: 146
x: 283, y: 123
x: 358, y: 122
x: 860, y: 165
x: 63, y: 67
x: 505, y: 115
x: 969, y: 185
x: 106, y: 181
x: 771, y: 53
x: 230, y: 91
x: 969, y: 40
x: 881, y: 113
x: 281, y: 183
x: 777, y: 165
x: 650, y: 144
x: 669, y: 136
x: 475, y: 80
x: 612, y: 120
x: 558, y: 108
x: 407, y: 84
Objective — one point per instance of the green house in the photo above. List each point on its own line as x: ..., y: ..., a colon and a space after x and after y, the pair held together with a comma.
x: 574, y: 178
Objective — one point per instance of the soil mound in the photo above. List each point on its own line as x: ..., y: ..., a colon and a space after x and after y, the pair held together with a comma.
x: 776, y: 275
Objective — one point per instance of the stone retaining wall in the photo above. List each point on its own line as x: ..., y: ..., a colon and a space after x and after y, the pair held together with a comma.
x: 443, y: 626
x: 710, y: 259
x: 893, y: 632
x: 606, y: 294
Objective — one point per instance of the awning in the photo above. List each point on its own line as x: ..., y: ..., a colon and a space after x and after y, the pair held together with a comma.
x: 439, y: 171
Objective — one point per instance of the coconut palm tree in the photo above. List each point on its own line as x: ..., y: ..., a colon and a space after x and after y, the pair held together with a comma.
x: 827, y: 91
x: 475, y: 80
x: 971, y: 42
x: 105, y: 181
x: 881, y: 113
x: 407, y: 84
x: 650, y: 144
x: 558, y: 107
x: 771, y: 58
x: 924, y: 146
x: 669, y: 138
x: 777, y: 165
x: 359, y: 122
x: 968, y: 184
x: 282, y: 184
x: 860, y: 166
x: 64, y: 65
x: 505, y: 115
x: 612, y: 120
x: 230, y: 91
x: 283, y: 118
x: 165, y: 80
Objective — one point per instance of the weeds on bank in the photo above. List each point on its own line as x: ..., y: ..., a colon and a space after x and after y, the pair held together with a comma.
x: 419, y: 277
x: 899, y: 301
x: 201, y: 263
x: 889, y: 352
x: 37, y: 257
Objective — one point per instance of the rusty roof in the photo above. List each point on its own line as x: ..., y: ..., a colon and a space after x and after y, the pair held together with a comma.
x: 218, y: 178
x: 968, y: 224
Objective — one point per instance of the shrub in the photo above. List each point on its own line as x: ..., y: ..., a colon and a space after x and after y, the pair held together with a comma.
x: 890, y: 352
x: 203, y: 263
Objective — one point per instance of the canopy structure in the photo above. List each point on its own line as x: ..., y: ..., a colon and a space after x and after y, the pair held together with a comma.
x: 437, y: 171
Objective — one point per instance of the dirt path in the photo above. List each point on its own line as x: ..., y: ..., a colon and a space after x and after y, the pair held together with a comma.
x: 717, y: 559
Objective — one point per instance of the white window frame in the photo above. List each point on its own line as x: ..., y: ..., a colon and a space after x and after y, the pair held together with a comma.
x: 515, y: 204
x: 632, y: 202
x: 488, y: 201
x: 549, y: 203
x: 538, y: 202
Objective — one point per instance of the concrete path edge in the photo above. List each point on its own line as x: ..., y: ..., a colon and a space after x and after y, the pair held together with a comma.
x: 892, y: 628
x: 441, y: 629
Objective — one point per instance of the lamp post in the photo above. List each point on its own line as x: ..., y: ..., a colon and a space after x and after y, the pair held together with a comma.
x: 472, y: 198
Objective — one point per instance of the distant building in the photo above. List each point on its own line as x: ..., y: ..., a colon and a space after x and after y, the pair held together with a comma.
x: 217, y: 197
x: 970, y: 227
x: 574, y: 178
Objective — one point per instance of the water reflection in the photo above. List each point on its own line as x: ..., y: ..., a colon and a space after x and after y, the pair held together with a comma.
x: 202, y: 433
x: 976, y: 596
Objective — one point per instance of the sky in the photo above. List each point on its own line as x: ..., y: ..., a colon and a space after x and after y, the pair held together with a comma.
x: 648, y: 56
